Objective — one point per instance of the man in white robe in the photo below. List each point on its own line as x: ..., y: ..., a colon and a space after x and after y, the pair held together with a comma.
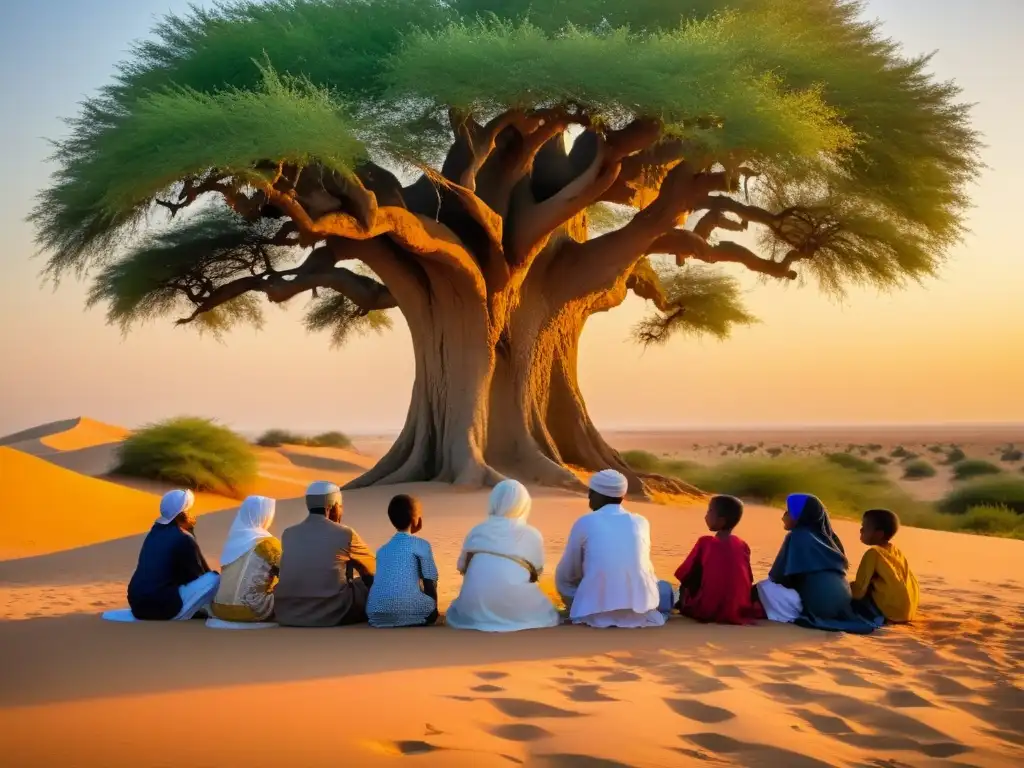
x: 606, y: 575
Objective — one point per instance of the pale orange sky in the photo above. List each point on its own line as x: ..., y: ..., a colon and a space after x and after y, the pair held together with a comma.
x: 949, y: 351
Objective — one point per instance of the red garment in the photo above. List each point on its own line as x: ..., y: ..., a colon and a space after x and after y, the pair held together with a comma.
x: 716, y: 582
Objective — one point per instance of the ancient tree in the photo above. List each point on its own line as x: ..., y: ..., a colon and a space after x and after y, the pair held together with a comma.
x: 498, y: 173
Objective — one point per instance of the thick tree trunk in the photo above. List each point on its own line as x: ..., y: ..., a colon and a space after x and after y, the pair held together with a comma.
x: 445, y: 430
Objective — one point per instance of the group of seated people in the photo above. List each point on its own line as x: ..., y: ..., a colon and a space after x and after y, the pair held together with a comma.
x: 322, y: 574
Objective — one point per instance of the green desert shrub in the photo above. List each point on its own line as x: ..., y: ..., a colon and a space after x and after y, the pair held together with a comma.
x: 955, y: 455
x: 899, y: 452
x: 882, y: 460
x: 847, y: 493
x: 750, y: 449
x: 971, y: 468
x: 648, y: 463
x: 993, y: 491
x: 855, y: 463
x: 992, y: 520
x: 641, y: 461
x: 935, y: 449
x: 1012, y: 455
x: 274, y: 438
x: 918, y: 469
x: 331, y: 440
x: 190, y: 452
x: 774, y: 452
x: 874, y: 447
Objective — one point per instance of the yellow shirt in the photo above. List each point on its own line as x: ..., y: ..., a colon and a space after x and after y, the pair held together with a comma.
x: 885, y: 576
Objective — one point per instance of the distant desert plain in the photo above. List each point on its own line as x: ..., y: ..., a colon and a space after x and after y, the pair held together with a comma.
x: 76, y: 691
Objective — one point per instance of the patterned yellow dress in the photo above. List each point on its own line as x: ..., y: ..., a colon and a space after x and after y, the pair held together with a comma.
x: 246, y: 591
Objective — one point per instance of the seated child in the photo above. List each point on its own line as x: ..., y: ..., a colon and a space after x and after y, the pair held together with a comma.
x: 404, y: 591
x: 716, y: 581
x: 884, y: 579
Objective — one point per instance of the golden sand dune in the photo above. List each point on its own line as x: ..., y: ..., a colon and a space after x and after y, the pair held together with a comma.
x: 87, y: 433
x: 74, y: 461
x: 34, y: 434
x: 48, y: 508
x: 946, y: 691
x: 338, y: 459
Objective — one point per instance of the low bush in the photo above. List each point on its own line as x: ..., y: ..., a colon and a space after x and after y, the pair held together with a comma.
x: 331, y: 440
x: 649, y: 464
x: 1011, y: 455
x: 774, y: 452
x: 882, y: 460
x: 1000, y: 521
x: 935, y: 449
x: 275, y: 438
x: 847, y: 493
x: 971, y: 468
x: 641, y: 461
x: 955, y: 455
x: 918, y: 469
x: 190, y: 452
x: 994, y: 491
x: 849, y: 461
x: 750, y: 449
x: 899, y: 452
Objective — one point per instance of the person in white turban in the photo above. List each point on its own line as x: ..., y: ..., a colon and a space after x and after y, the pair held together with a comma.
x: 172, y: 580
x: 326, y: 568
x: 249, y: 563
x: 606, y: 576
x: 501, y: 560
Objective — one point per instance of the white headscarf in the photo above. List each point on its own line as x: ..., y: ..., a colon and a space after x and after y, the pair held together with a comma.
x: 251, y: 526
x: 173, y: 504
x: 505, y: 531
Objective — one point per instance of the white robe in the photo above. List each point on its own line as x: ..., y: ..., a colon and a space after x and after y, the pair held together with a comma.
x: 607, y: 573
x: 497, y: 594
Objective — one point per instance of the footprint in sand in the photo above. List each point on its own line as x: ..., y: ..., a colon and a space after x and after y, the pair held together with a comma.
x: 905, y: 699
x: 827, y: 725
x: 696, y: 754
x: 753, y: 755
x: 620, y: 677
x: 566, y: 760
x: 690, y: 681
x: 526, y: 709
x: 487, y: 688
x: 875, y: 742
x: 728, y: 670
x: 791, y: 693
x: 522, y: 732
x: 702, y: 713
x: 587, y: 693
x: 849, y: 679
x: 491, y: 675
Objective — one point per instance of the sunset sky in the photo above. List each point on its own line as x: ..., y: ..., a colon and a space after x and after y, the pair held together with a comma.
x: 951, y: 350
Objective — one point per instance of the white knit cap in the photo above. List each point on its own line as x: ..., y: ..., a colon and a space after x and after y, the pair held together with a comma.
x: 173, y: 504
x: 610, y: 483
x: 322, y: 495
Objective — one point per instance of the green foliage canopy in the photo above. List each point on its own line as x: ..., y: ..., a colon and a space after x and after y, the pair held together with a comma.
x: 846, y: 157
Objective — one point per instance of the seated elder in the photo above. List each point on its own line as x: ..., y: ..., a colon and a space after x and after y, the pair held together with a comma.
x: 326, y: 568
x: 172, y: 580
x: 808, y: 581
x: 606, y: 576
x: 249, y: 565
x: 501, y: 561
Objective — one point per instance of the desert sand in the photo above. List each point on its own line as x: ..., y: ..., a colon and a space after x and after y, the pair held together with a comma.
x: 77, y: 691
